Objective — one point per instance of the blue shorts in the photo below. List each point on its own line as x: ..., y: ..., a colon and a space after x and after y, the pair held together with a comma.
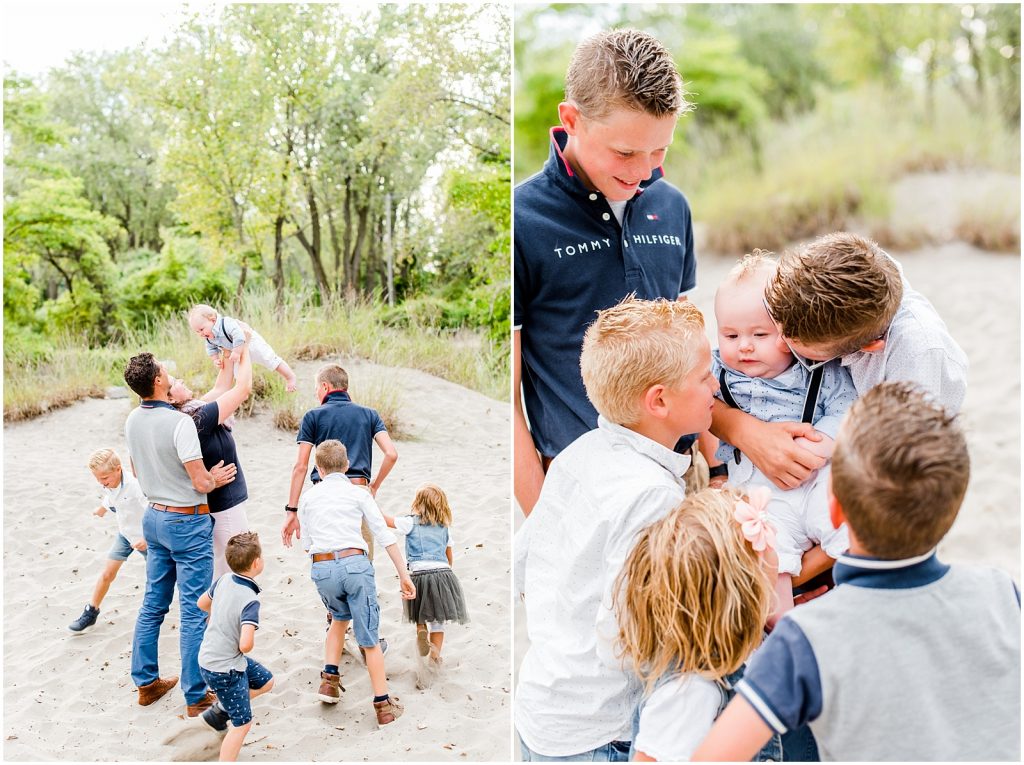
x: 122, y: 548
x: 349, y: 591
x: 232, y: 689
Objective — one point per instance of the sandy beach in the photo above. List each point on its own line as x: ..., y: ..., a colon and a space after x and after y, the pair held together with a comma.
x: 70, y: 697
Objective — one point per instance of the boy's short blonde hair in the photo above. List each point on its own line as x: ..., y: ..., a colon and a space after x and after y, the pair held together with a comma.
x: 331, y: 457
x: 433, y: 506
x: 103, y: 460
x: 242, y: 550
x: 624, y: 68
x: 693, y: 595
x: 334, y: 375
x: 201, y: 309
x: 899, y: 470
x: 634, y: 345
x: 839, y: 292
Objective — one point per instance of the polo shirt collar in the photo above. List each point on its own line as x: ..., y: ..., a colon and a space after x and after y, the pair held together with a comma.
x: 337, y: 395
x: 246, y: 582
x: 675, y: 463
x: 154, y: 404
x: 879, y: 574
x: 560, y: 171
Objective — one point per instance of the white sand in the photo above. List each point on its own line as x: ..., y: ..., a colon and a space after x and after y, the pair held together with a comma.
x: 71, y: 697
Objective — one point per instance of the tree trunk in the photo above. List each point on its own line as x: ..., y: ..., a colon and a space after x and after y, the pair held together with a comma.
x: 389, y: 248
x: 279, y: 260
x: 314, y: 247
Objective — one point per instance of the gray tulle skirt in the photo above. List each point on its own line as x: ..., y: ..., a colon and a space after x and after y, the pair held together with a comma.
x: 439, y: 598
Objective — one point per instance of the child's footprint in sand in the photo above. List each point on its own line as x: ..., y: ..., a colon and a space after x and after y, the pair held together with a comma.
x: 192, y: 741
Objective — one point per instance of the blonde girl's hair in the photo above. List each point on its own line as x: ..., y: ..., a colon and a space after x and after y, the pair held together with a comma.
x: 693, y: 595
x: 103, y: 460
x: 432, y: 506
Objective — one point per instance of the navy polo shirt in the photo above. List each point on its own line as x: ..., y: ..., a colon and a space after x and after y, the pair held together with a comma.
x: 218, y: 444
x: 572, y: 259
x: 354, y: 425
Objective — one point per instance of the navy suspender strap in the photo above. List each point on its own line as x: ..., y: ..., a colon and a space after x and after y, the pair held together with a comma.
x: 723, y: 386
x: 811, y: 401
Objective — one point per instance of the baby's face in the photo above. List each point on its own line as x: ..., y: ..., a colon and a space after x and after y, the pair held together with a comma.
x: 748, y: 339
x: 109, y: 479
x: 202, y: 326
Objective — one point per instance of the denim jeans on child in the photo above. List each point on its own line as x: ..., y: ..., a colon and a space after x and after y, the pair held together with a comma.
x: 180, y: 552
x: 613, y: 751
x: 122, y: 548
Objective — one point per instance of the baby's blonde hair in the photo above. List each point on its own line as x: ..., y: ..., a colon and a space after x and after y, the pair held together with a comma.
x: 693, y: 595
x: 634, y: 345
x: 432, y: 505
x: 201, y: 309
x: 750, y: 265
x: 103, y: 460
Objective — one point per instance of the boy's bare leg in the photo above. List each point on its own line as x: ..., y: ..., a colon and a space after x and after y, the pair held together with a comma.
x: 232, y: 743
x: 107, y: 576
x: 254, y: 692
x: 375, y: 666
x: 289, y: 376
x: 335, y: 642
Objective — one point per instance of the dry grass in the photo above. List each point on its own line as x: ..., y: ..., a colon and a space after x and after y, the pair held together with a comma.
x: 992, y: 223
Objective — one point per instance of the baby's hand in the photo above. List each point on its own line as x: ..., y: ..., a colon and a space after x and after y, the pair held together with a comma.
x: 140, y: 545
x: 218, y: 361
x: 822, y: 448
x: 100, y: 511
x: 718, y: 481
x: 235, y: 356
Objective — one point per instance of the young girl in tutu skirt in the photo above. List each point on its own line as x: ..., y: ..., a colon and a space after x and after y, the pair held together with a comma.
x: 428, y: 552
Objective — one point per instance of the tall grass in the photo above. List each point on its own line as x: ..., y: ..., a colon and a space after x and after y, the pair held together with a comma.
x: 297, y: 331
x: 824, y: 169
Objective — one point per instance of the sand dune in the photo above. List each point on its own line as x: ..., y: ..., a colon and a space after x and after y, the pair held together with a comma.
x: 71, y: 697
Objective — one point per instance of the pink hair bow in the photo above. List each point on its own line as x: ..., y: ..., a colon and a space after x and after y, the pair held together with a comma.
x: 753, y: 519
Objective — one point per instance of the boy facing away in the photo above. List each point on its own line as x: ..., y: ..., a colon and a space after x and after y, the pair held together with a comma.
x: 233, y: 603
x: 123, y: 496
x: 223, y: 333
x: 907, y: 658
x: 595, y: 225
x: 646, y: 366
x: 842, y: 297
x: 330, y: 515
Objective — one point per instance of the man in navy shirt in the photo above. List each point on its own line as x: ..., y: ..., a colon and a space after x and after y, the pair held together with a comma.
x: 596, y: 224
x: 358, y: 427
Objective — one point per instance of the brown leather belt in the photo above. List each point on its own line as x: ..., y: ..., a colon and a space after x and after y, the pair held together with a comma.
x: 190, y: 510
x: 335, y: 554
x: 360, y: 481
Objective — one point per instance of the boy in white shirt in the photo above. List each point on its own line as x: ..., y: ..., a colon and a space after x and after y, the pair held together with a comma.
x: 330, y: 515
x: 123, y: 496
x: 646, y: 367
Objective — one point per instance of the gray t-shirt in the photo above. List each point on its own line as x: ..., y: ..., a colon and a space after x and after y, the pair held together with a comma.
x: 161, y: 439
x: 235, y: 602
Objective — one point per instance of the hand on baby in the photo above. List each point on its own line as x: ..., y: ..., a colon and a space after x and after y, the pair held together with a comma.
x: 218, y: 361
x: 822, y: 448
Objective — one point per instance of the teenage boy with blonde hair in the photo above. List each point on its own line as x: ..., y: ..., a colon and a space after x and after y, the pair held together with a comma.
x: 907, y: 658
x: 842, y: 297
x: 598, y: 223
x: 646, y: 366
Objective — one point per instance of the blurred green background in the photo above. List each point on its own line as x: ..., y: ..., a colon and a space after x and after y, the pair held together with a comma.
x: 809, y: 117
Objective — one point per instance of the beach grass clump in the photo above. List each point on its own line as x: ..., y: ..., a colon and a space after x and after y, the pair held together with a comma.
x: 992, y: 222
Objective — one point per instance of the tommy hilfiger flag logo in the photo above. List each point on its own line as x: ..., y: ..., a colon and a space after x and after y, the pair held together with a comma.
x: 652, y: 216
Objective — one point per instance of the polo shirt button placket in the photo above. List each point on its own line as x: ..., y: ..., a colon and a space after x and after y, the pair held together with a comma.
x: 593, y: 197
x: 606, y: 216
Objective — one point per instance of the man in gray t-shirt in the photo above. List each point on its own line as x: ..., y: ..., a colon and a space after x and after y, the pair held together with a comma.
x: 168, y: 462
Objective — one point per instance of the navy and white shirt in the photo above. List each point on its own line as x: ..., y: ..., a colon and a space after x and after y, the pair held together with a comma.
x: 573, y: 258
x: 354, y: 425
x: 235, y: 602
x: 907, y: 660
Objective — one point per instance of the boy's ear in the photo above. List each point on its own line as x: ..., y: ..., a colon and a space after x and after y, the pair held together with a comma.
x: 569, y: 115
x: 875, y: 346
x: 835, y: 510
x: 653, y: 403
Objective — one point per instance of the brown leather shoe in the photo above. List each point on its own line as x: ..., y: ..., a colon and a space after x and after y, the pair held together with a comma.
x: 330, y: 688
x: 156, y: 689
x: 194, y: 710
x: 387, y: 711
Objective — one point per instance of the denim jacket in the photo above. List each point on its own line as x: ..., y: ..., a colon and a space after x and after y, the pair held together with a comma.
x: 426, y: 542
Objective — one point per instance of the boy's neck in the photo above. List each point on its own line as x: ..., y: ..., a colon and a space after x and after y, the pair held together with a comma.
x: 656, y: 431
x: 248, y: 574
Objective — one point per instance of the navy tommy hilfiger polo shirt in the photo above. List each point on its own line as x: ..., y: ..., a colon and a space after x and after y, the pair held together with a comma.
x: 572, y: 258
x: 354, y: 425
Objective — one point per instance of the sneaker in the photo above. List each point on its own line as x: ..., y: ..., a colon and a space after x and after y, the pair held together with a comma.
x: 422, y: 639
x: 194, y: 710
x: 330, y: 688
x: 387, y: 711
x: 85, y: 621
x: 155, y: 690
x: 383, y: 649
x: 216, y: 717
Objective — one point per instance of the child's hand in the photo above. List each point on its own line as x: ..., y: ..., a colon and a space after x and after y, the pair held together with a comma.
x: 218, y: 361
x: 100, y: 511
x: 718, y: 481
x: 235, y: 356
x: 407, y: 587
x: 141, y: 545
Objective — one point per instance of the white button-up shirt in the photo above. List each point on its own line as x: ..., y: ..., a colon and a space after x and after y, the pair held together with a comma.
x: 128, y: 504
x: 600, y: 492
x: 331, y: 514
x: 919, y: 349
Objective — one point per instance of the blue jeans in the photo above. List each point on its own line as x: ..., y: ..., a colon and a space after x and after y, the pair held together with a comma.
x: 122, y: 548
x: 349, y: 591
x: 613, y: 751
x: 180, y: 552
